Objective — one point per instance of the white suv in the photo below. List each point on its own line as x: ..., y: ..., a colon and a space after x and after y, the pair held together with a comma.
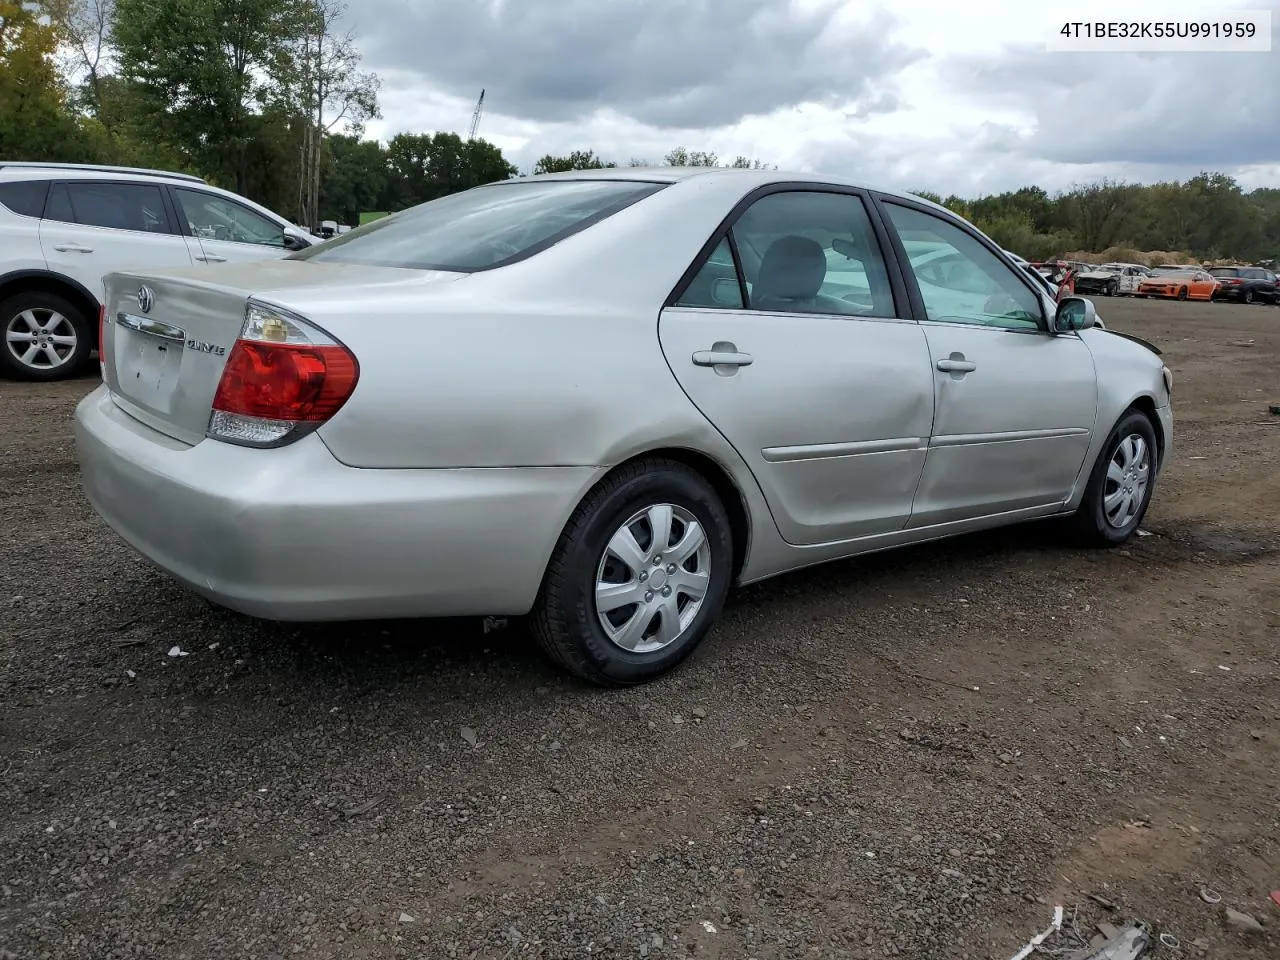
x: 63, y: 227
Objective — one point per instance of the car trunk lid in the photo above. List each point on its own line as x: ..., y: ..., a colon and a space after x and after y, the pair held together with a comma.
x: 166, y: 336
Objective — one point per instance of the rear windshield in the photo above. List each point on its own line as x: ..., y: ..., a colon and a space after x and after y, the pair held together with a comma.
x: 482, y: 228
x: 1225, y: 272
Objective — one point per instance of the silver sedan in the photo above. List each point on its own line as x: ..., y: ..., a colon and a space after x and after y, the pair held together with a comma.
x: 601, y: 399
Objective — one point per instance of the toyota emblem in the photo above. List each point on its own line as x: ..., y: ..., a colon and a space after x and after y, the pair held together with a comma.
x: 146, y: 299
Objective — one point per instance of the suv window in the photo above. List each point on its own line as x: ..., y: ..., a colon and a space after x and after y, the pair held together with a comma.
x: 484, y: 227
x: 979, y: 288
x: 1226, y: 272
x: 120, y: 206
x: 212, y: 217
x: 808, y: 251
x: 24, y: 196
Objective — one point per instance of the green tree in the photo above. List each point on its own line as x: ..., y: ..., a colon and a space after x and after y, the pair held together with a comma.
x: 424, y: 166
x: 35, y: 121
x: 576, y: 160
x: 204, y: 69
x: 84, y: 34
x: 354, y: 180
x: 331, y: 92
x: 1102, y: 214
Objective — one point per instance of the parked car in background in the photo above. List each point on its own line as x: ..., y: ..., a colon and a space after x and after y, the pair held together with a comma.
x: 64, y: 226
x: 1112, y: 279
x: 834, y: 370
x: 1194, y: 284
x: 1245, y: 284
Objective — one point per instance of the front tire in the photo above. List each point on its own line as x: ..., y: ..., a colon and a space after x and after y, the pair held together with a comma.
x: 1113, y: 289
x: 1121, y: 484
x: 638, y: 576
x: 43, y: 337
x: 1182, y: 293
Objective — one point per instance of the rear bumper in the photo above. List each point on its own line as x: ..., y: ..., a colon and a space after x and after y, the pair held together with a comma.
x: 292, y: 534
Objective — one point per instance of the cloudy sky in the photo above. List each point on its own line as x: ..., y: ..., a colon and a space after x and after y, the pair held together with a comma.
x: 922, y: 94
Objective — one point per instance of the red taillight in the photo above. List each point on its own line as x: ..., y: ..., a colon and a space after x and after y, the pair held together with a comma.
x: 283, y: 378
x: 285, y: 381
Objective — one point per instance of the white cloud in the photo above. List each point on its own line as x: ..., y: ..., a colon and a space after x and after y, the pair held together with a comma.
x: 982, y: 108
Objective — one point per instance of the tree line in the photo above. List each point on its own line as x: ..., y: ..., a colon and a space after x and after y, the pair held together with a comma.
x: 1209, y: 216
x: 268, y: 98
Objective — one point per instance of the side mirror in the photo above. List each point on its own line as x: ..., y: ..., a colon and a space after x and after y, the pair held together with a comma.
x: 1074, y: 313
x: 294, y: 243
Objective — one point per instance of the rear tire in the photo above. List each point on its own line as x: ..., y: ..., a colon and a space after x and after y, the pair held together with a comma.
x: 1246, y: 297
x: 43, y: 337
x: 654, y: 616
x: 1121, y: 484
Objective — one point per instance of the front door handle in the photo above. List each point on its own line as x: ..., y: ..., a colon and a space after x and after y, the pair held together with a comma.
x: 957, y: 364
x: 72, y: 248
x: 209, y: 258
x: 722, y: 355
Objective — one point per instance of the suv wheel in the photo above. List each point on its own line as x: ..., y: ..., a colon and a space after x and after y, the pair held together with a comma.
x: 1247, y: 296
x: 45, y: 337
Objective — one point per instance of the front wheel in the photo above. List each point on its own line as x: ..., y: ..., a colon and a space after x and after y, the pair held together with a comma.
x: 638, y: 576
x: 1121, y: 484
x: 1182, y: 293
x: 1113, y: 288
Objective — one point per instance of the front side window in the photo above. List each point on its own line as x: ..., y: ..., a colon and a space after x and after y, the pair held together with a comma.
x: 484, y: 227
x: 119, y: 206
x: 960, y: 280
x: 212, y: 217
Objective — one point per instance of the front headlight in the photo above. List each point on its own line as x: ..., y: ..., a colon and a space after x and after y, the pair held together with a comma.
x: 1168, y: 380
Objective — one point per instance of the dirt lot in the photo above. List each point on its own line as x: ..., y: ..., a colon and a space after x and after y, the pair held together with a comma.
x: 916, y: 754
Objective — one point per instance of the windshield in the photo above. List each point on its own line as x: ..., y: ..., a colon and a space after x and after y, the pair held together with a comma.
x: 484, y: 227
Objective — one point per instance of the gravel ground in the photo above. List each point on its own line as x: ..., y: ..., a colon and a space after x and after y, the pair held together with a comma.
x: 916, y: 754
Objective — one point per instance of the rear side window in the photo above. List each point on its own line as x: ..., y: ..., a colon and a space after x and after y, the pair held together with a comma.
x: 482, y: 228
x: 121, y: 206
x: 24, y: 196
x: 1225, y: 272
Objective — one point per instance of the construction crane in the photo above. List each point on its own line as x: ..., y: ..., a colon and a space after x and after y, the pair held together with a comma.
x: 475, y: 116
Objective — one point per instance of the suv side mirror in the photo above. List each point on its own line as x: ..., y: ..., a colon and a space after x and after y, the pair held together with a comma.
x: 1074, y: 313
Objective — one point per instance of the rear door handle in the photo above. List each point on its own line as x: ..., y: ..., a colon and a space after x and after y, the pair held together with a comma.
x: 726, y: 358
x: 954, y: 365
x: 72, y: 248
x: 207, y: 258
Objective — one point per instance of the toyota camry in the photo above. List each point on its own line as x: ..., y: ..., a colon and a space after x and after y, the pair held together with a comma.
x: 602, y: 398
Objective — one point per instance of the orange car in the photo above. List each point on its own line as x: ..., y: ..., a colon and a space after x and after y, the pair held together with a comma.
x: 1181, y: 284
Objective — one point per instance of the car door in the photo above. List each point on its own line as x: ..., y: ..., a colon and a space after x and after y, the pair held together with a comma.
x: 1014, y: 405
x: 223, y: 230
x: 95, y: 227
x: 791, y: 340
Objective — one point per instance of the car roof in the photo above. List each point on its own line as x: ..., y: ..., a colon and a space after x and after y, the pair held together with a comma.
x: 25, y: 169
x: 751, y: 178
